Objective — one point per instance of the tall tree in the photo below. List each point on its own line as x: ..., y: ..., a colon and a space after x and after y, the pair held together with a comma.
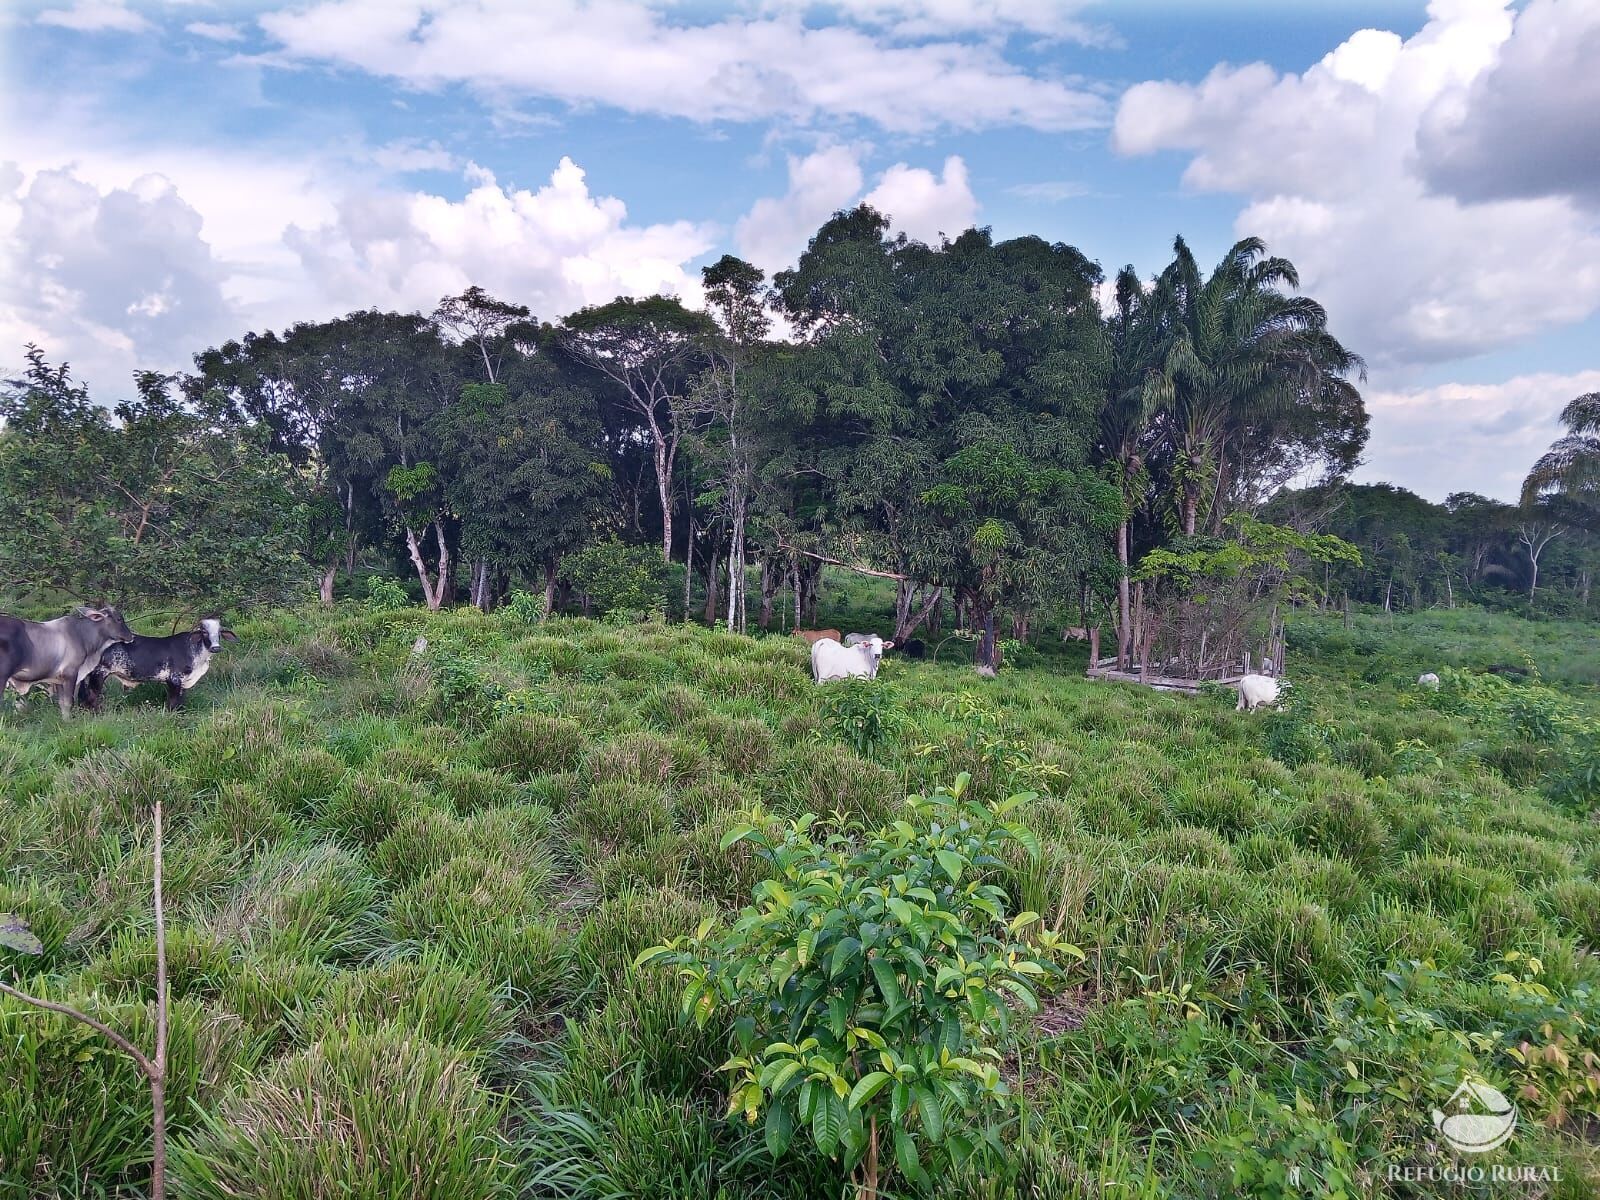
x: 737, y: 300
x: 1239, y: 352
x: 1571, y: 467
x: 649, y: 349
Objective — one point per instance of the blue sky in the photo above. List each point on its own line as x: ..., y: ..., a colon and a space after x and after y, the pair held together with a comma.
x: 175, y: 174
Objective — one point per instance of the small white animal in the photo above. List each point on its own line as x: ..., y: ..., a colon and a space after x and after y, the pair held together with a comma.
x: 832, y: 660
x: 1428, y: 680
x: 1256, y: 690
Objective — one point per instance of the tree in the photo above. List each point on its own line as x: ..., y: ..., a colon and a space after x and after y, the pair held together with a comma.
x: 1571, y: 467
x: 1540, y: 525
x: 736, y: 298
x: 171, y: 503
x: 526, y: 469
x: 648, y: 349
x: 1239, y: 353
x: 486, y: 328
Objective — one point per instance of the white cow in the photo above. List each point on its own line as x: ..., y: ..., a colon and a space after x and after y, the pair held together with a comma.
x: 834, y: 660
x: 1428, y: 680
x: 1256, y: 690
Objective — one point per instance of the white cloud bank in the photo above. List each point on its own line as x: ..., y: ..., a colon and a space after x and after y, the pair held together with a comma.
x: 737, y: 68
x: 918, y: 203
x: 1427, y: 188
x: 1468, y: 437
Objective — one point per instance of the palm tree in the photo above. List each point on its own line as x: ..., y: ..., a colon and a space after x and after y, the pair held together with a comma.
x: 1135, y: 390
x: 1571, y: 467
x: 1239, y: 351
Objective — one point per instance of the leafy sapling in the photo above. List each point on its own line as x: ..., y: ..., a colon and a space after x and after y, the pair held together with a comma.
x: 871, y: 983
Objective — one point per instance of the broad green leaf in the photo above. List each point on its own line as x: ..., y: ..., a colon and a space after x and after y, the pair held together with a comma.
x: 932, y: 1114
x: 867, y: 1087
x: 780, y: 1128
x: 736, y: 835
x: 827, y: 1122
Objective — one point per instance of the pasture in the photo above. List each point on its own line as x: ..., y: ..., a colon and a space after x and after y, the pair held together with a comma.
x: 405, y: 893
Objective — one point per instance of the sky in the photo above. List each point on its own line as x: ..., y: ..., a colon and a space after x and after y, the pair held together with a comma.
x: 176, y: 174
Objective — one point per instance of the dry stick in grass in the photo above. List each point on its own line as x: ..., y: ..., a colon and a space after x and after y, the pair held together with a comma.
x: 154, y: 1069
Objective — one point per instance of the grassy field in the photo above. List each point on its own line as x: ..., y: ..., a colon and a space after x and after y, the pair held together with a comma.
x: 405, y: 893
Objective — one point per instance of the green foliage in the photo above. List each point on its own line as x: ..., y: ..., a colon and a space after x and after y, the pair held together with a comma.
x: 622, y: 580
x: 864, y: 714
x: 869, y: 984
x: 385, y: 594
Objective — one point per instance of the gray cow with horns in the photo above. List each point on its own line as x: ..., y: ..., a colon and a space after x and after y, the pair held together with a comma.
x: 58, y: 654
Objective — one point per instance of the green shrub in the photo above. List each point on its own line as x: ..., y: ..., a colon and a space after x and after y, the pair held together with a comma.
x: 742, y: 745
x: 464, y: 894
x: 618, y: 813
x: 240, y: 813
x: 429, y: 997
x: 296, y: 777
x: 310, y: 901
x: 890, y: 953
x: 527, y: 745
x: 651, y: 760
x: 365, y: 809
x: 75, y: 1112
x: 385, y: 594
x: 626, y: 581
x: 1344, y: 825
x: 864, y: 714
x: 616, y: 932
x: 362, y: 1114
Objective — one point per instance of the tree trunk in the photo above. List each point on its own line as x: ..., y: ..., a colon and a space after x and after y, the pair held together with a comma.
x: 987, y: 654
x: 482, y: 592
x: 769, y: 591
x: 711, y: 588
x: 550, y: 570
x: 908, y: 625
x: 664, y: 490
x: 432, y: 593
x: 1124, y: 601
x: 325, y: 589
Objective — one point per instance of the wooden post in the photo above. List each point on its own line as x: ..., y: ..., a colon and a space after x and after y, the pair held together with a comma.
x: 1094, y: 645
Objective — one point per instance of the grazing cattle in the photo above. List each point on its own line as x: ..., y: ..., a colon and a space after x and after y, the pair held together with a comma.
x: 179, y: 661
x: 1256, y: 690
x: 816, y: 635
x: 910, y: 648
x: 59, y: 654
x: 1428, y: 680
x: 1075, y: 633
x: 832, y: 659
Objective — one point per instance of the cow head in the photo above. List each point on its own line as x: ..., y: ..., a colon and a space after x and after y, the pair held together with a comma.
x: 107, y: 620
x: 214, y: 634
x: 875, y: 646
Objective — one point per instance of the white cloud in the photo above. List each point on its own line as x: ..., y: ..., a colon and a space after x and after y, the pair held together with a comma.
x: 214, y: 30
x: 1053, y: 20
x: 555, y: 249
x: 1050, y: 191
x: 633, y: 57
x: 924, y: 205
x: 1527, y: 126
x: 95, y: 16
x: 776, y: 229
x: 110, y: 279
x: 1468, y: 437
x: 1328, y: 163
x: 917, y: 202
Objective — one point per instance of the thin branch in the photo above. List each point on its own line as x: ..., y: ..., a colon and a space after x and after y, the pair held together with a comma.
x: 839, y: 562
x: 111, y: 1035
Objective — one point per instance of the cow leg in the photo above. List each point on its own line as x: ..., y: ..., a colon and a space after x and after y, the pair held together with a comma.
x: 63, y: 693
x: 175, y: 695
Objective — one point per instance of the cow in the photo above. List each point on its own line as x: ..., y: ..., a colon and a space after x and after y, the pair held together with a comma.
x: 1257, y: 690
x: 59, y: 654
x: 1428, y: 680
x: 179, y: 661
x: 1075, y: 633
x: 832, y: 659
x: 815, y: 635
x: 910, y: 648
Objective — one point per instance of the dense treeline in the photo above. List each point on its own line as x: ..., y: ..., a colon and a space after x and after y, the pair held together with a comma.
x: 961, y: 418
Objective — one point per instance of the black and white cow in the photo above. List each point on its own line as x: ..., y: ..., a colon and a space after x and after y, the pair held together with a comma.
x: 179, y: 661
x: 59, y: 654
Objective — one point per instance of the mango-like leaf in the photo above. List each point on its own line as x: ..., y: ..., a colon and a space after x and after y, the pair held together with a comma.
x: 780, y: 1129
x: 15, y: 935
x: 867, y: 1087
x: 952, y: 863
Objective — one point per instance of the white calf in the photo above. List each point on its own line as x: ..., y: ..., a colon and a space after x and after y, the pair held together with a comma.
x: 1428, y: 680
x: 832, y: 660
x: 1256, y: 690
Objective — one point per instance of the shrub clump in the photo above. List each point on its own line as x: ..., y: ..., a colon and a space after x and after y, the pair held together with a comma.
x: 362, y: 1114
x: 527, y: 744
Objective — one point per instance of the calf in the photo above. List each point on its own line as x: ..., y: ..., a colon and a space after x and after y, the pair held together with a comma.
x: 831, y: 659
x: 1256, y: 690
x: 1428, y: 680
x: 816, y: 635
x: 59, y: 654
x: 179, y: 661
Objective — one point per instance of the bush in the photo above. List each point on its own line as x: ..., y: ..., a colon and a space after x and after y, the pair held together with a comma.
x: 619, y: 580
x: 863, y: 714
x: 529, y: 745
x: 869, y: 987
x: 385, y: 594
x: 429, y: 997
x: 362, y: 1114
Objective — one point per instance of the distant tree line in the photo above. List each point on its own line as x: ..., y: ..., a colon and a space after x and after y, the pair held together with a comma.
x: 963, y: 419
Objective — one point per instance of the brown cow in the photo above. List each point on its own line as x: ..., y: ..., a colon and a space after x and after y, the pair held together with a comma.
x: 813, y: 636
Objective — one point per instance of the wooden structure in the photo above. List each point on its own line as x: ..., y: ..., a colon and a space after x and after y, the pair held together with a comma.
x: 1177, y: 676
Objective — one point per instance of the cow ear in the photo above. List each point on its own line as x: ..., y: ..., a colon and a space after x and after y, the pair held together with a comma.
x: 888, y: 645
x: 229, y: 635
x: 94, y: 614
